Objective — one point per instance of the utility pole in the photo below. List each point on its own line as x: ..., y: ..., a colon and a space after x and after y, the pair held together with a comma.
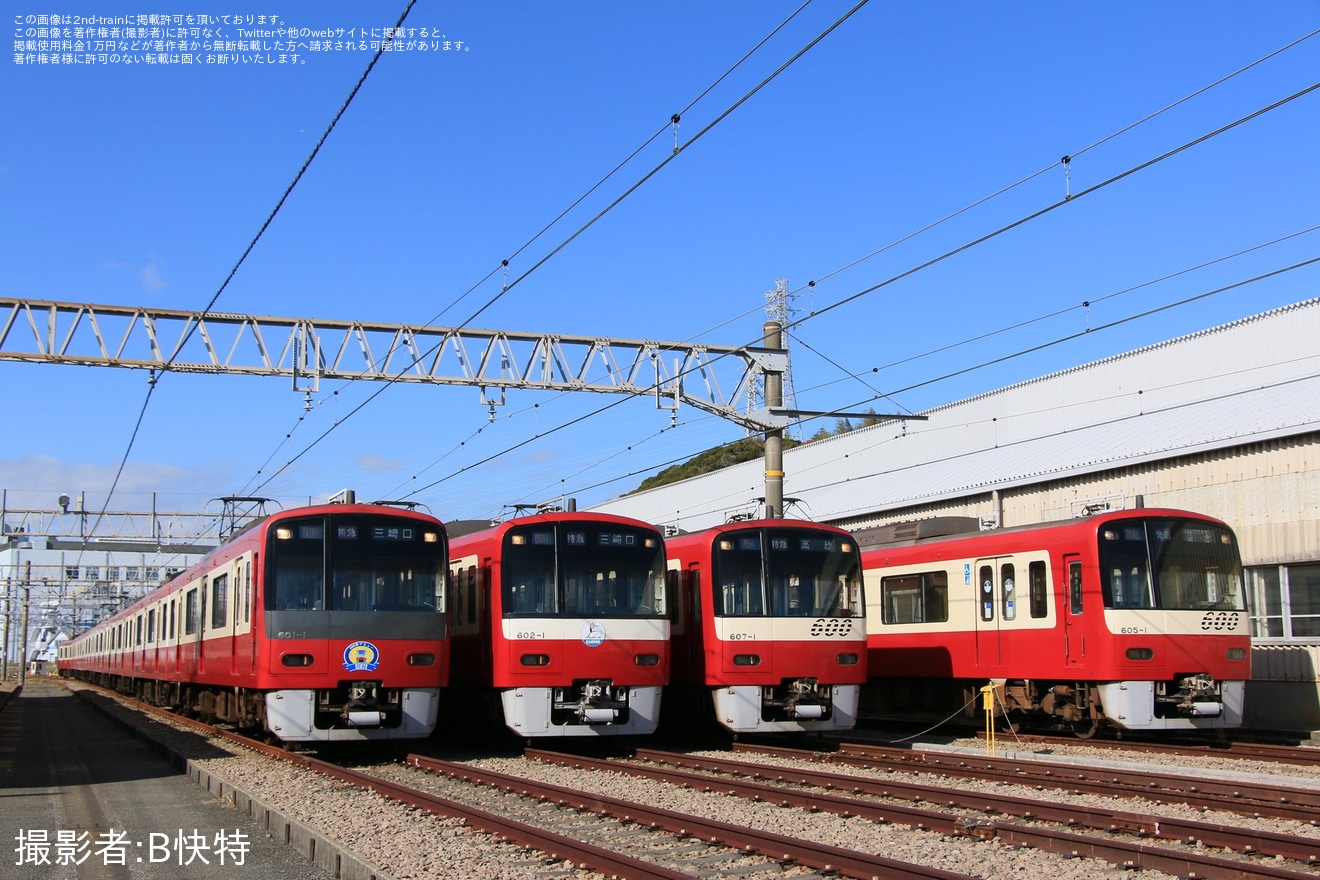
x: 27, y: 586
x: 774, y: 437
x: 9, y: 605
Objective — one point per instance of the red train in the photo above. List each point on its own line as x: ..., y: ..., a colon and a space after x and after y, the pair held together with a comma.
x: 560, y: 625
x: 770, y: 626
x: 314, y: 624
x: 1135, y: 619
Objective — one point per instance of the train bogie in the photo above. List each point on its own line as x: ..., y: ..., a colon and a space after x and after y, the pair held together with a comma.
x: 770, y: 632
x: 1132, y: 619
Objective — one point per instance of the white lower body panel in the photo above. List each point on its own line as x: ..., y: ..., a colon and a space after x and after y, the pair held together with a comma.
x: 739, y: 709
x: 290, y: 715
x: 527, y: 712
x: 1130, y: 705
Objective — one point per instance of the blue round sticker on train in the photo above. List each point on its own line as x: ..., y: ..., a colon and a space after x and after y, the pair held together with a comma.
x: 593, y: 633
x: 361, y: 657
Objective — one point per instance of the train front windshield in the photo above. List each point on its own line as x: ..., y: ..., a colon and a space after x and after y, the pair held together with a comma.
x: 1174, y: 564
x: 786, y: 573
x: 347, y: 562
x: 583, y: 569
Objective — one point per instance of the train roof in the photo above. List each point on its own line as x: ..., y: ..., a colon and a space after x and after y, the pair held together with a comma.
x: 951, y: 528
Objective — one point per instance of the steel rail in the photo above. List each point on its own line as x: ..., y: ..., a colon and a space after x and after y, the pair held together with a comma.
x: 1245, y: 840
x: 1302, y: 756
x: 1243, y: 798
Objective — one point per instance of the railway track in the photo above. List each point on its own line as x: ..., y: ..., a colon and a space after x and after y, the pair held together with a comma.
x: 1300, y: 756
x: 950, y: 810
x: 1235, y: 796
x: 568, y: 830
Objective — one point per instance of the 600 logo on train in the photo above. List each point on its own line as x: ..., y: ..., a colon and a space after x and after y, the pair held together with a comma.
x: 315, y: 624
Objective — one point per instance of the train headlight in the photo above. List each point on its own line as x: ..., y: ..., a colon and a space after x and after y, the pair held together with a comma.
x: 283, y: 533
x: 421, y: 659
x: 1237, y: 653
x: 647, y: 659
x: 296, y: 660
x: 746, y: 660
x: 535, y: 660
x: 847, y: 659
x: 430, y: 537
x: 1140, y: 653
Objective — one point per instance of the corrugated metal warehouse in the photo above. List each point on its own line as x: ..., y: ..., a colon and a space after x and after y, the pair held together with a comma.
x: 1225, y: 421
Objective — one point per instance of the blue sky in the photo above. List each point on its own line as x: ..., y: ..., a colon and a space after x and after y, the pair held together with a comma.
x: 143, y: 184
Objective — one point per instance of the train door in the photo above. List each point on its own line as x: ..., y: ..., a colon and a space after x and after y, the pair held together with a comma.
x: 695, y: 643
x: 1074, y: 624
x: 989, y: 601
x: 201, y: 629
x: 249, y: 599
x: 486, y: 611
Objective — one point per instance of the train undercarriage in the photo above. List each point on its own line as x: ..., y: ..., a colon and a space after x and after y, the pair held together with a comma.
x: 354, y: 710
x: 1185, y: 702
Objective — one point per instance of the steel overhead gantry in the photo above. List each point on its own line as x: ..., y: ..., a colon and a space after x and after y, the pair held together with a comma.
x: 307, y: 350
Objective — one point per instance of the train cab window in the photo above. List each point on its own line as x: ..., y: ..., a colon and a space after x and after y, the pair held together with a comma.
x: 583, y: 569
x: 190, y: 615
x: 219, y: 601
x: 1040, y: 606
x: 297, y: 558
x: 1008, y: 591
x: 915, y: 598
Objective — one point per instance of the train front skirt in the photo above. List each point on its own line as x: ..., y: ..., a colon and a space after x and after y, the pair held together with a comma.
x: 292, y: 716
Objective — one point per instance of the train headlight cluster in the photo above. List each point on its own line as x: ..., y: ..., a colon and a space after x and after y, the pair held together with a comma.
x: 647, y: 659
x: 297, y: 660
x: 1140, y: 653
x: 421, y: 659
x: 535, y: 660
x: 847, y: 659
x: 1237, y: 653
x: 746, y: 660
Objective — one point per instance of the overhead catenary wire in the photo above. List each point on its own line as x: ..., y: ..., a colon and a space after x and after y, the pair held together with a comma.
x: 1013, y: 225
x: 1068, y: 199
x: 343, y: 108
x: 600, y: 214
x: 564, y: 213
x: 1018, y: 325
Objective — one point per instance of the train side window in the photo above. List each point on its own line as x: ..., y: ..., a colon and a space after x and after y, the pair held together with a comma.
x: 139, y: 630
x: 247, y: 591
x: 1075, y: 588
x: 915, y: 598
x: 151, y: 625
x: 171, y: 619
x: 190, y: 612
x: 1039, y: 590
x: 473, y: 598
x: 1008, y: 591
x: 987, y: 601
x: 219, y: 601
